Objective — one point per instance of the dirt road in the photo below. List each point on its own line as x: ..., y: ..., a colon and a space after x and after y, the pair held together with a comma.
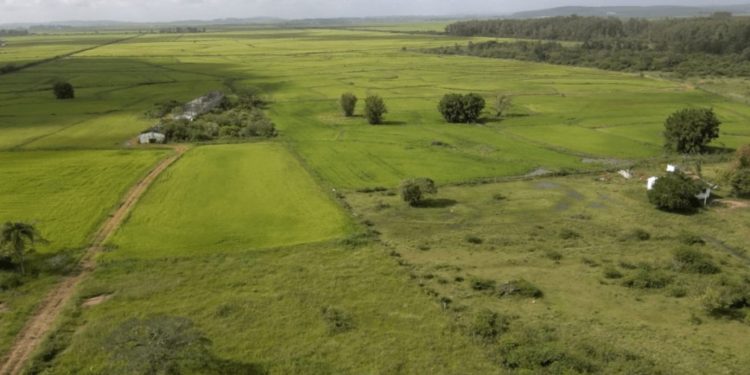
x: 43, y: 320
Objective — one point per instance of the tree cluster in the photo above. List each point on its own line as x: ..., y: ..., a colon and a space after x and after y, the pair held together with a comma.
x: 374, y: 110
x: 457, y: 108
x: 182, y: 30
x: 13, y: 32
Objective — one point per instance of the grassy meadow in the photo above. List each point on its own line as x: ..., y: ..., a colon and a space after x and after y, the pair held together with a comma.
x: 255, y: 242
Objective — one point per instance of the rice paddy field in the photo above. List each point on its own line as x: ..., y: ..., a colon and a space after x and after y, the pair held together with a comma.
x: 282, y: 259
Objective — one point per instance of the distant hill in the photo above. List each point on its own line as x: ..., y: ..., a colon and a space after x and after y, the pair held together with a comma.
x: 657, y: 11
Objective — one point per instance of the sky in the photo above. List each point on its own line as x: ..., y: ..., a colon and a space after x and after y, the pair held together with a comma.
x: 19, y: 11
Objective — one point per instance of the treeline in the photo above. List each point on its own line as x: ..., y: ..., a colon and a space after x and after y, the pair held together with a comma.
x: 182, y: 30
x: 614, y: 56
x: 13, y: 32
x: 719, y: 34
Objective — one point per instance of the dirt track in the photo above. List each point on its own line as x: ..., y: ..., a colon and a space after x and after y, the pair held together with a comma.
x: 43, y: 320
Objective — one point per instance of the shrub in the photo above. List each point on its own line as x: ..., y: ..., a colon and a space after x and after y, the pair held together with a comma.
x: 10, y: 280
x: 646, y: 278
x: 726, y: 300
x: 63, y: 90
x: 348, y: 102
x: 569, y: 234
x: 337, y: 320
x: 694, y: 261
x: 375, y: 109
x: 502, y: 104
x: 742, y: 157
x: 639, y: 234
x: 674, y: 192
x: 488, y: 325
x: 499, y: 197
x: 413, y: 190
x: 473, y: 240
x: 612, y: 273
x: 554, y: 255
x: 519, y: 288
x: 482, y: 284
x: 740, y: 182
x: 691, y: 130
x: 690, y: 239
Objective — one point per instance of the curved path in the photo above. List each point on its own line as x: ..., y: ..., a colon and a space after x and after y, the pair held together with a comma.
x: 43, y: 320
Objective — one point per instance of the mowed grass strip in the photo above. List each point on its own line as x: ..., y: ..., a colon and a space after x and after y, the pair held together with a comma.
x: 230, y: 197
x: 67, y: 194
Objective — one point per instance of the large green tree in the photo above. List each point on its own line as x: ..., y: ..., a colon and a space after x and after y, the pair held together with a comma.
x: 17, y: 241
x: 675, y: 192
x: 457, y: 108
x: 690, y: 130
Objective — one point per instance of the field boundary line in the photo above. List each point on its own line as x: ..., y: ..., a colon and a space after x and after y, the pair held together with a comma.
x: 50, y: 308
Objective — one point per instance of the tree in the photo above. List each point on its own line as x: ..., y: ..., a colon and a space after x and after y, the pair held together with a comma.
x: 741, y: 182
x: 457, y: 108
x: 675, y: 192
x: 690, y: 130
x: 502, y: 104
x: 17, y: 240
x: 348, y: 103
x: 63, y: 90
x: 742, y: 160
x: 413, y: 190
x: 375, y: 109
x: 452, y: 108
x: 473, y: 105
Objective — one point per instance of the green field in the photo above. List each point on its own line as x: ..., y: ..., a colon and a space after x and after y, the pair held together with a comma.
x: 228, y: 198
x: 253, y: 241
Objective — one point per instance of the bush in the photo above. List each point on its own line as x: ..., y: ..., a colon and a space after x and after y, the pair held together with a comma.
x: 63, y: 90
x: 726, y: 300
x: 348, y: 102
x: 413, y: 190
x: 648, y: 279
x: 488, y: 325
x: 568, y: 234
x: 674, y: 192
x: 639, y: 235
x: 694, y: 261
x: 482, y: 284
x: 742, y: 157
x: 519, y: 288
x: 375, y: 109
x: 10, y: 280
x: 691, y: 130
x: 162, y: 109
x: 554, y: 255
x: 457, y: 108
x: 690, y: 239
x: 612, y: 273
x: 338, y: 321
x: 740, y: 182
x: 473, y: 240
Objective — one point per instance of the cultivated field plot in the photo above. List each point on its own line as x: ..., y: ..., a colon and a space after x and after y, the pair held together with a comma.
x: 67, y: 194
x: 228, y: 198
x: 264, y: 309
x: 603, y: 259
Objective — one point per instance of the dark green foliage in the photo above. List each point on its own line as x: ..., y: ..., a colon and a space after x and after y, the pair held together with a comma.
x: 375, y: 109
x: 234, y: 123
x: 165, y: 345
x: 675, y: 192
x: 554, y: 255
x: 727, y: 300
x: 519, y: 288
x: 162, y: 109
x: 488, y: 325
x: 647, y: 278
x: 63, y: 90
x: 692, y: 260
x: 569, y: 234
x: 10, y: 280
x: 473, y: 240
x: 337, y: 320
x: 690, y: 239
x: 413, y: 190
x: 612, y: 273
x: 348, y: 103
x: 740, y: 182
x: 482, y: 284
x: 17, y: 241
x: 690, y: 130
x: 457, y: 108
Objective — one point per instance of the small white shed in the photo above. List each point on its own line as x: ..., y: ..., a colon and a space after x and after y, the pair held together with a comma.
x: 151, y: 137
x: 650, y: 183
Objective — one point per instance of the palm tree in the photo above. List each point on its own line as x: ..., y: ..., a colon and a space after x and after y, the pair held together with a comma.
x: 17, y: 239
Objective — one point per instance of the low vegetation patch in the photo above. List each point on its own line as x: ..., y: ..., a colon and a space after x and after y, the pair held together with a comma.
x: 488, y: 325
x: 648, y: 278
x: 692, y: 260
x: 337, y: 320
x: 519, y: 288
